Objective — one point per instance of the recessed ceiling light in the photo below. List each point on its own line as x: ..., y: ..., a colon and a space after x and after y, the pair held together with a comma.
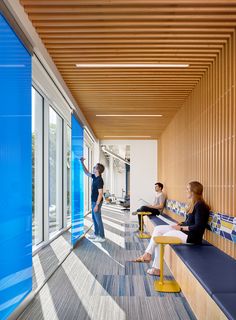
x: 130, y: 65
x: 128, y: 115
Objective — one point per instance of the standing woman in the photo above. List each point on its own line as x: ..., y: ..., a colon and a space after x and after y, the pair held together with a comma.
x: 189, y: 231
x: 97, y: 200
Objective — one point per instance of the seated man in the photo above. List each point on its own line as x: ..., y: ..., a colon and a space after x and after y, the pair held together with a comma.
x: 157, y: 206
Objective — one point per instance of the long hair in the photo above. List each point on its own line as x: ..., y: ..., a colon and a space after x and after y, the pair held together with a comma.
x: 197, y: 189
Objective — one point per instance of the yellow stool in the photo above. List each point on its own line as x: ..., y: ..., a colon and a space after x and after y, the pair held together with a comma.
x: 165, y: 285
x: 141, y: 234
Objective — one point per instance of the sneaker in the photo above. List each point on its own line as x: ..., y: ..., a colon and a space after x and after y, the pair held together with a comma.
x: 92, y: 236
x: 99, y: 239
x: 134, y: 213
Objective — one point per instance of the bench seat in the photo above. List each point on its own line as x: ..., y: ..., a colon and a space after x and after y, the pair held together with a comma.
x: 215, y: 271
x: 227, y: 303
x: 158, y: 221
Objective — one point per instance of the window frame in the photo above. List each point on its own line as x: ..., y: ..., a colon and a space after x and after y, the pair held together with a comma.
x: 45, y: 171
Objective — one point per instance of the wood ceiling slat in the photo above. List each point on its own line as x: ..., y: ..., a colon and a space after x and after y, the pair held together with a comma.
x: 133, y: 18
x: 191, y: 61
x: 45, y: 10
x: 136, y: 46
x: 130, y: 78
x: 132, y: 31
x: 133, y: 41
x: 84, y: 30
x: 142, y: 36
x: 95, y: 23
x: 73, y: 57
x: 161, y: 3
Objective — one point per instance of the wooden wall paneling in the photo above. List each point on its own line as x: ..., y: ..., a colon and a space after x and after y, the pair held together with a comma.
x: 227, y: 127
x: 225, y: 121
x: 233, y: 95
x: 221, y: 133
x: 230, y: 154
x: 209, y: 137
x: 209, y: 117
x: 216, y: 133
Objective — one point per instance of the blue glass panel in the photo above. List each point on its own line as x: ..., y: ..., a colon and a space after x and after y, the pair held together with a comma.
x: 15, y: 171
x: 77, y: 180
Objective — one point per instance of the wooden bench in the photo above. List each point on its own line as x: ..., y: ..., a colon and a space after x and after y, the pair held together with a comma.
x: 206, y: 275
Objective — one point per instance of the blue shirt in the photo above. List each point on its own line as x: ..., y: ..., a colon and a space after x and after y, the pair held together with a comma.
x: 96, y: 185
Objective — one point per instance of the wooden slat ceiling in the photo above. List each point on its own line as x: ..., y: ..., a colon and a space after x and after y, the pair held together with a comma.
x: 132, y: 31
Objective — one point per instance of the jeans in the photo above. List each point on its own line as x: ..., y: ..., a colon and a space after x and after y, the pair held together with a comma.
x: 146, y: 209
x: 97, y: 221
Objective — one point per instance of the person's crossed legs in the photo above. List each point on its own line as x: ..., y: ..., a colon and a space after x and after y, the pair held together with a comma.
x: 154, y: 248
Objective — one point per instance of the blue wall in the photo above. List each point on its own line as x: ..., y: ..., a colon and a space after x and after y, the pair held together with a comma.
x: 77, y: 214
x: 15, y: 171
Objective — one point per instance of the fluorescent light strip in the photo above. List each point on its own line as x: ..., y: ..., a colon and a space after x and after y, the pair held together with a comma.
x: 127, y: 136
x: 129, y: 65
x: 128, y: 115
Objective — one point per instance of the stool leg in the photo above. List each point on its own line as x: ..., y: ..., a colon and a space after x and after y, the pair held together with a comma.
x: 161, y: 263
x: 165, y: 285
x: 141, y: 217
x: 142, y: 235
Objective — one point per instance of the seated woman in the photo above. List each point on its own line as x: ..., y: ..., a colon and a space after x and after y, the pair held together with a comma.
x: 189, y: 231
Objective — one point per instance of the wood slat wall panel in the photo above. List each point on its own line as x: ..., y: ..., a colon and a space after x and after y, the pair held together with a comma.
x: 201, y: 141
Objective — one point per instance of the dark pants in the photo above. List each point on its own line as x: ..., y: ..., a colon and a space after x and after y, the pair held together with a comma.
x: 147, y: 209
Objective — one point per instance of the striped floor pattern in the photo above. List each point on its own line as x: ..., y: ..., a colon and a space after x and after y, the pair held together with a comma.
x: 98, y: 281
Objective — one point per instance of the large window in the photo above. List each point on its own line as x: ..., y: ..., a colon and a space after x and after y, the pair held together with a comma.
x: 86, y: 178
x: 51, y: 169
x: 68, y: 175
x: 55, y: 172
x: 37, y: 167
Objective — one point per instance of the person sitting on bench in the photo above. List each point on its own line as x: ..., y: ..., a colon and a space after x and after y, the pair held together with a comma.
x: 189, y: 231
x: 157, y: 206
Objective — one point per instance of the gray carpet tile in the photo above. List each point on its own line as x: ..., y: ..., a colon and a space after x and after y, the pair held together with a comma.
x: 99, y: 281
x: 45, y: 260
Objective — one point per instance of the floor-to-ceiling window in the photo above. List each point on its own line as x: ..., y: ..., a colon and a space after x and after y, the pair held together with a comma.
x: 55, y: 171
x: 51, y: 169
x: 86, y: 178
x: 88, y: 155
x: 68, y: 175
x: 37, y: 167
